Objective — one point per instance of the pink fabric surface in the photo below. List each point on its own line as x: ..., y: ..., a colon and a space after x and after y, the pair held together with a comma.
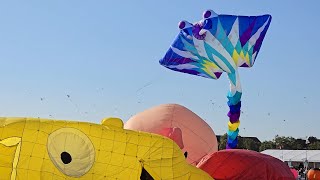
x: 294, y: 172
x: 198, y: 138
x: 175, y: 134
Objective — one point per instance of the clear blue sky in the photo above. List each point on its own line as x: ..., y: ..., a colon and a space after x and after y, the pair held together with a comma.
x: 104, y: 55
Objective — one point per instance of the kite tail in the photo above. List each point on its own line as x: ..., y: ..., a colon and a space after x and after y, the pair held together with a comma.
x: 234, y: 104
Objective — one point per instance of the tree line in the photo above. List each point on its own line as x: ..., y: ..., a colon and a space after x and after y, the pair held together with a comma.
x: 279, y: 142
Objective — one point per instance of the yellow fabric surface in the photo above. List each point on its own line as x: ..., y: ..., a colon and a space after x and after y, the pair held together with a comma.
x: 233, y: 126
x: 68, y: 150
x: 9, y: 156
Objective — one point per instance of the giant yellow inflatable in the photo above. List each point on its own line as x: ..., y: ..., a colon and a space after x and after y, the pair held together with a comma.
x: 33, y: 148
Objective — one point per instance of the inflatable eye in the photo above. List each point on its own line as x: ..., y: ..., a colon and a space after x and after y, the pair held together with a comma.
x: 209, y: 14
x: 71, y: 151
x: 184, y: 24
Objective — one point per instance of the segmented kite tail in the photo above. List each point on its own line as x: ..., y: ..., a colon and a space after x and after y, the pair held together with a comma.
x: 234, y: 104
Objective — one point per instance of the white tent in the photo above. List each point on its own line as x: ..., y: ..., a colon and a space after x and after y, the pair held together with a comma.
x: 294, y: 155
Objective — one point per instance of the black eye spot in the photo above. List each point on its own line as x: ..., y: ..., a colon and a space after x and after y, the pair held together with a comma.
x: 66, y: 157
x: 186, y: 154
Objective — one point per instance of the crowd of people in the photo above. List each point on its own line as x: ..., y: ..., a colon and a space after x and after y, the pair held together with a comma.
x: 302, y: 172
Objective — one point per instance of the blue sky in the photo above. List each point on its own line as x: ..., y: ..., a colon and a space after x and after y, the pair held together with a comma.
x: 104, y: 56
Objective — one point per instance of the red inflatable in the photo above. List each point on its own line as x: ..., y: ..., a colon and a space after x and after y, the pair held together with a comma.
x: 244, y: 164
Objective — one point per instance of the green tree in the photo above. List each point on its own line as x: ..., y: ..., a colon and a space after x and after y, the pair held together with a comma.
x: 300, y: 144
x: 267, y: 145
x: 312, y: 139
x: 240, y: 143
x: 283, y: 142
x: 314, y: 146
x: 279, y: 142
x: 223, y: 141
x: 250, y: 144
x: 243, y: 143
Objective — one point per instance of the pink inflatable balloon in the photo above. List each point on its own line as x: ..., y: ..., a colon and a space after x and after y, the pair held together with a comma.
x: 294, y: 172
x: 176, y: 121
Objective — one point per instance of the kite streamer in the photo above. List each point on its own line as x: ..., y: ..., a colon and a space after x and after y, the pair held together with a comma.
x: 217, y: 44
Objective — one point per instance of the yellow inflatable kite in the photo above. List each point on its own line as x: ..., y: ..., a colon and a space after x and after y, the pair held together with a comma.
x: 33, y: 148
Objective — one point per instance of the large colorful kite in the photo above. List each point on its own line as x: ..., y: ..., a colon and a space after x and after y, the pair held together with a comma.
x: 216, y: 44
